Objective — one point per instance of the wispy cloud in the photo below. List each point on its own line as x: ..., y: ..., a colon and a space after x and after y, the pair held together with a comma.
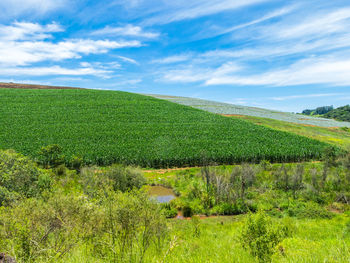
x: 333, y: 71
x: 54, y: 70
x: 184, y: 10
x: 171, y: 59
x: 306, y: 96
x: 28, y: 31
x: 128, y: 30
x: 37, y: 7
x: 217, y: 31
x: 28, y: 43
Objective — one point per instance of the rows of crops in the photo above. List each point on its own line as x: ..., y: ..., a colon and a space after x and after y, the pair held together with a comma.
x: 107, y: 127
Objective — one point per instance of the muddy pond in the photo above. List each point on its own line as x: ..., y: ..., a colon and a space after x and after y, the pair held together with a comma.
x: 161, y: 193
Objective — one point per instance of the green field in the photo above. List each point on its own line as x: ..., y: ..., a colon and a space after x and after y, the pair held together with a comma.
x: 336, y: 136
x: 105, y: 127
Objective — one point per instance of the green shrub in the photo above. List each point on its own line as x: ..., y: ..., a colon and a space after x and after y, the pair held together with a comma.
x: 36, y: 230
x: 187, y: 211
x: 133, y: 223
x: 117, y: 177
x: 94, y: 181
x: 308, y: 210
x: 261, y: 236
x: 50, y: 156
x: 125, y: 178
x: 76, y: 163
x: 168, y: 210
x: 20, y: 177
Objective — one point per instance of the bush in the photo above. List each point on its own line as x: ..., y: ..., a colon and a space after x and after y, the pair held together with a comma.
x: 261, y: 236
x: 187, y: 211
x: 117, y: 177
x: 20, y: 177
x: 168, y: 210
x: 308, y: 210
x: 125, y: 178
x: 236, y: 208
x: 133, y: 223
x: 76, y: 163
x: 38, y: 230
x: 50, y: 156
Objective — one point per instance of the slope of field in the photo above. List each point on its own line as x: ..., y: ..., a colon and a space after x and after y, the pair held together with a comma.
x: 230, y: 109
x: 107, y: 127
x: 336, y: 136
x: 4, y: 85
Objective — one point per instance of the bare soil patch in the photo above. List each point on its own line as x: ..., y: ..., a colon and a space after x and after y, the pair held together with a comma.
x: 4, y: 85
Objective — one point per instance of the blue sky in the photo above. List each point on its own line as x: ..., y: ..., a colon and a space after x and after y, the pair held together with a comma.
x: 284, y: 55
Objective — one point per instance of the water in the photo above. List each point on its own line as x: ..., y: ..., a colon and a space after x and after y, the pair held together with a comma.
x: 161, y: 193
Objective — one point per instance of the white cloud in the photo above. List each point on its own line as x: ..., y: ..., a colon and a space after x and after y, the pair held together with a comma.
x: 54, y: 70
x: 128, y: 30
x: 183, y: 10
x: 277, y: 13
x: 306, y: 96
x: 314, y: 26
x: 130, y: 60
x: 333, y: 71
x: 34, y: 7
x: 193, y: 73
x: 27, y: 43
x: 28, y: 31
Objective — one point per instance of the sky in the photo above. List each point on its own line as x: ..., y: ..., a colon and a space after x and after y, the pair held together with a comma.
x: 275, y: 54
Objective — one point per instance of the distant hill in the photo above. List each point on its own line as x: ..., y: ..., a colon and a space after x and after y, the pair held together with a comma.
x: 341, y: 113
x: 318, y: 111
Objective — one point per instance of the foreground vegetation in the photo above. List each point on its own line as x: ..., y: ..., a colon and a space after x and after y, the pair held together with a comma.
x: 283, y: 213
x: 106, y: 127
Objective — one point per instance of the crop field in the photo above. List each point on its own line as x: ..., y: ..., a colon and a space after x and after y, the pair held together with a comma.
x: 105, y: 127
x: 339, y: 136
x: 231, y: 109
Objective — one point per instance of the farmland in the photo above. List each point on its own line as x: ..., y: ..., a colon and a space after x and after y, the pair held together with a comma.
x: 231, y: 109
x: 339, y: 136
x: 105, y: 127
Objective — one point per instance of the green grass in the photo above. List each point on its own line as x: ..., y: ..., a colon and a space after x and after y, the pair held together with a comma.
x: 107, y: 127
x: 313, y: 241
x: 319, y: 240
x: 336, y: 136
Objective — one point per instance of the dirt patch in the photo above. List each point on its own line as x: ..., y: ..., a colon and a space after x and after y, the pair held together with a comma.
x: 30, y: 86
x: 233, y: 115
x: 163, y: 171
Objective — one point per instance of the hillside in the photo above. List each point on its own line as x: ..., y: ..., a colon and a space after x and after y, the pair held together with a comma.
x: 5, y: 85
x: 341, y: 113
x: 337, y: 136
x: 107, y: 127
x: 231, y: 109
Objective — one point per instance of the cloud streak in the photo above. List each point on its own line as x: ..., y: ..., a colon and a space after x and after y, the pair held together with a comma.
x: 186, y: 10
x: 128, y: 30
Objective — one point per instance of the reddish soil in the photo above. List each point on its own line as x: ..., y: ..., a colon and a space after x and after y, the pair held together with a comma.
x: 30, y: 86
x: 233, y: 115
x: 163, y: 171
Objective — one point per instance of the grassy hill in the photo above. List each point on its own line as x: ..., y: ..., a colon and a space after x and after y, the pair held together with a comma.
x: 107, y: 127
x: 231, y: 109
x: 333, y: 135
